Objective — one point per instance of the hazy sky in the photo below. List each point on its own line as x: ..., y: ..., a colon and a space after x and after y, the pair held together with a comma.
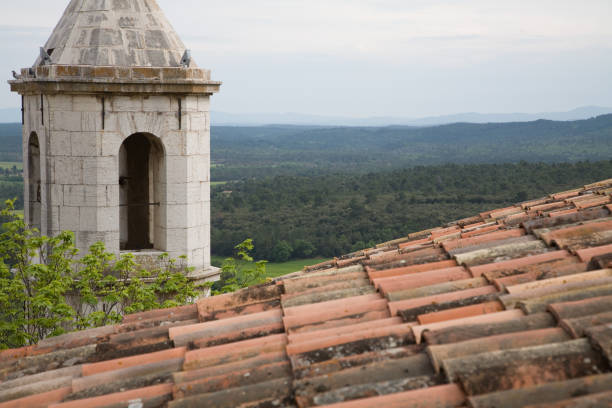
x: 361, y: 58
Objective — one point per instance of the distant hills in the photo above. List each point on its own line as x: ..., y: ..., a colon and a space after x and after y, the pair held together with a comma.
x: 231, y: 119
x: 303, y: 150
x: 256, y: 119
x: 257, y: 151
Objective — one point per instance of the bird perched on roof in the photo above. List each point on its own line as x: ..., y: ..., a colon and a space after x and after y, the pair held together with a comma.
x: 16, y: 75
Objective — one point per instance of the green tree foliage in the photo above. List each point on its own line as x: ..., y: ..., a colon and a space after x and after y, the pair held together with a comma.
x: 265, y: 151
x: 282, y: 251
x: 355, y: 211
x: 45, y: 291
x: 240, y: 271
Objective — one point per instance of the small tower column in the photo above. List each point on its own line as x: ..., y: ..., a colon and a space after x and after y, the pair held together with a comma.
x: 117, y: 135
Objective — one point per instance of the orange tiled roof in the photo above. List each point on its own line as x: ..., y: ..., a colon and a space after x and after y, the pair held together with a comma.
x: 509, y: 308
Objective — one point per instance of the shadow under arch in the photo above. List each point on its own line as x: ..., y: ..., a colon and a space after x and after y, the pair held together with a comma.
x: 34, y: 204
x: 142, y: 182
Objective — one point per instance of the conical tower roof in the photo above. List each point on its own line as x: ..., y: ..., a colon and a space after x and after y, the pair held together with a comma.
x: 123, y: 33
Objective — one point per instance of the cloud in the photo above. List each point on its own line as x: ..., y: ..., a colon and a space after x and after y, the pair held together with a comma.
x: 375, y: 57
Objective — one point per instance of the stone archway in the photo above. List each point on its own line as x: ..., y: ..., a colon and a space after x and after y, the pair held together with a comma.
x: 141, y: 193
x: 34, y: 204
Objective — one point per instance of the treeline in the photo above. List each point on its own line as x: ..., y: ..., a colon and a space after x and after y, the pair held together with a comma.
x: 300, y: 217
x: 293, y: 150
x: 10, y: 142
x: 11, y: 187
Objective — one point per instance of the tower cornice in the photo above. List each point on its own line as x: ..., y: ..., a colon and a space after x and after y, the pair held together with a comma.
x: 77, y: 79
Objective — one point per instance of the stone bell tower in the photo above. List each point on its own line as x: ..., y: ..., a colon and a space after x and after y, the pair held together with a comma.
x: 116, y: 134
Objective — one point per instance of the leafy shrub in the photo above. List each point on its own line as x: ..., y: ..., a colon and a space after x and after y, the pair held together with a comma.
x: 45, y: 291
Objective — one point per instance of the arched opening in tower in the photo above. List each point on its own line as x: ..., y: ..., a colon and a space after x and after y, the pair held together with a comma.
x: 141, y: 193
x: 34, y: 189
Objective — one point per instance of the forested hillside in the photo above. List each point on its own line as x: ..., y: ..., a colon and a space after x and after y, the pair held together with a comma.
x: 10, y: 142
x: 282, y: 150
x: 335, y: 214
x: 306, y: 191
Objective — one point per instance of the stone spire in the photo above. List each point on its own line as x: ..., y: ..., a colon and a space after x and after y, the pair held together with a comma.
x: 116, y: 126
x: 126, y: 33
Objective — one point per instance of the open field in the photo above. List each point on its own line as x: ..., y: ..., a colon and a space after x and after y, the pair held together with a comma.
x: 9, y: 165
x: 278, y: 269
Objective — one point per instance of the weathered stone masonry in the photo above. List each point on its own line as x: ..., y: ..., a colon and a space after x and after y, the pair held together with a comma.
x: 123, y: 150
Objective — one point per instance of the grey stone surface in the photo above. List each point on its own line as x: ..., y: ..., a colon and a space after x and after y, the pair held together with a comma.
x: 115, y: 73
x: 115, y: 33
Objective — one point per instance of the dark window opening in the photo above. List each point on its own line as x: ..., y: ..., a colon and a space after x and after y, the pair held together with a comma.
x: 141, y: 166
x: 34, y: 184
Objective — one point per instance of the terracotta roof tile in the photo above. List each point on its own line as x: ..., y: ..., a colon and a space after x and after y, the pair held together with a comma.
x: 229, y: 353
x: 417, y: 280
x: 488, y: 318
x: 479, y: 270
x: 387, y: 273
x: 437, y: 289
x: 477, y: 330
x: 338, y: 363
x: 481, y: 231
x: 410, y: 309
x: 34, y: 388
x: 442, y: 396
x: 357, y: 391
x: 39, y: 400
x: 601, y: 399
x: 273, y: 392
x: 125, y: 379
x: 461, y: 312
x: 399, y: 331
x: 238, y: 299
x: 545, y: 393
x: 581, y: 216
x: 238, y: 378
x: 578, y: 326
x: 537, y: 201
x: 588, y: 253
x: 170, y: 354
x: 308, y: 391
x: 228, y: 368
x: 511, y: 250
x: 335, y: 331
x: 494, y: 236
x: 580, y: 308
x: 580, y: 236
x: 523, y: 367
x: 567, y: 194
x: 348, y: 318
x: 578, y: 291
x: 327, y: 335
x: 548, y: 207
x: 332, y: 304
x: 489, y: 244
x: 232, y: 329
x: 439, y: 353
x: 601, y: 338
x: 162, y: 392
x: 556, y: 292
x: 594, y: 202
x: 563, y: 212
x: 530, y: 273
x: 559, y: 281
x: 309, y: 298
x: 599, y: 184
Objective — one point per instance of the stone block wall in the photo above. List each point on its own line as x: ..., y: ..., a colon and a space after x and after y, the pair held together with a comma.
x: 80, y: 167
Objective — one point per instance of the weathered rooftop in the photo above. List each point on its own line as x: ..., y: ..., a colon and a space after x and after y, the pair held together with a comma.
x: 510, y: 308
x: 125, y: 33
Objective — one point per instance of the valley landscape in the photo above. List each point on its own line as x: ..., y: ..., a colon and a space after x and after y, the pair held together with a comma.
x: 307, y: 193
